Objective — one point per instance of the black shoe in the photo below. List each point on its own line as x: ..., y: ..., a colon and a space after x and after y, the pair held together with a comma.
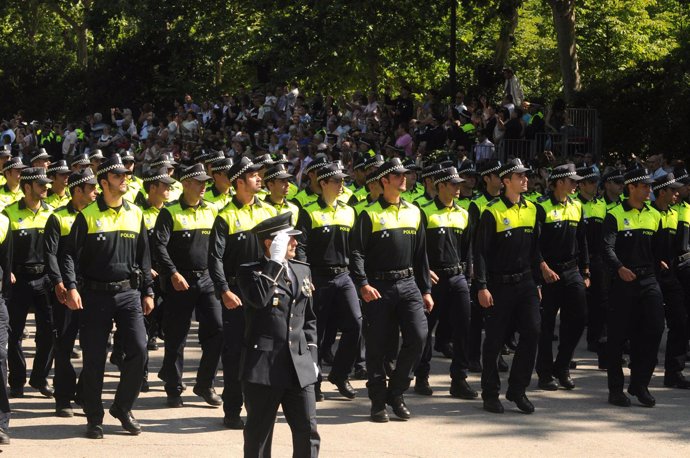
x: 521, y: 401
x: 493, y: 405
x: 676, y: 380
x: 361, y: 374
x: 459, y: 388
x: 618, y: 398
x: 145, y: 388
x: 174, y: 401
x: 643, y: 396
x: 16, y: 392
x: 547, y: 384
x: 502, y: 364
x: 94, y: 431
x: 565, y: 380
x: 421, y: 386
x: 344, y: 387
x: 233, y: 422
x: 4, y: 437
x: 129, y: 423
x: 572, y: 365
x: 378, y: 414
x: 318, y: 394
x: 209, y: 395
x: 475, y: 367
x: 152, y: 344
x: 399, y: 408
x: 64, y: 411
x: 46, y: 390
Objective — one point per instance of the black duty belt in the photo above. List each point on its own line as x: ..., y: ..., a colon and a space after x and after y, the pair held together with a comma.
x: 108, y: 287
x: 30, y: 269
x: 193, y: 274
x: 563, y: 266
x: 392, y: 274
x: 510, y: 278
x: 642, y: 272
x: 450, y: 271
x: 329, y: 271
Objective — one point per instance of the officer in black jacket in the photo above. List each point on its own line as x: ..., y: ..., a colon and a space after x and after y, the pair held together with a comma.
x: 278, y: 365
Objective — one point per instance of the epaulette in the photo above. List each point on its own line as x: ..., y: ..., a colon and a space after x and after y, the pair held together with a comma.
x: 494, y: 200
x: 544, y: 198
x: 300, y: 262
x: 247, y: 265
x: 431, y: 202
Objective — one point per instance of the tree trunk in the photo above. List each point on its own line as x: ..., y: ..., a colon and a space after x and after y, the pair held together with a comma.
x: 452, y: 71
x: 564, y: 23
x: 82, y: 47
x: 508, y: 13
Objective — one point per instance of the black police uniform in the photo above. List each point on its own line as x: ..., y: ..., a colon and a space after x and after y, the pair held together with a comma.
x: 563, y: 246
x: 109, y: 248
x: 180, y: 243
x: 31, y: 289
x: 5, y: 272
x: 279, y: 354
x: 636, y: 307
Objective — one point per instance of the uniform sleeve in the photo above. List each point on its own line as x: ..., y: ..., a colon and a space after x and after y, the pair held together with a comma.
x: 609, y: 232
x: 304, y: 225
x: 258, y: 287
x: 466, y: 248
x: 421, y: 261
x: 216, y: 251
x: 144, y: 259
x: 358, y: 243
x: 51, y: 242
x: 484, y: 233
x: 74, y: 244
x: 539, y: 223
x: 681, y: 241
x: 583, y: 248
x: 535, y: 254
x: 6, y: 263
x: 160, y: 239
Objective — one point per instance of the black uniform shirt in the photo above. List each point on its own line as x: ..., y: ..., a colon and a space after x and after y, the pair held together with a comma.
x: 627, y: 236
x: 27, y: 232
x: 57, y: 229
x: 562, y: 233
x: 448, y: 234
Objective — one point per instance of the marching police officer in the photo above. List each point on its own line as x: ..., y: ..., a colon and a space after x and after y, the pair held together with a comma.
x: 5, y: 275
x: 108, y: 247
x: 219, y: 193
x: 231, y: 244
x: 28, y: 218
x: 683, y: 261
x: 82, y: 188
x: 506, y: 269
x: 312, y: 191
x: 277, y: 181
x: 279, y: 353
x: 165, y: 160
x: 448, y: 248
x: 180, y: 247
x: 563, y: 261
x: 390, y: 268
x: 635, y: 299
x: 58, y: 194
x: 325, y: 227
x: 612, y: 182
x: 11, y: 191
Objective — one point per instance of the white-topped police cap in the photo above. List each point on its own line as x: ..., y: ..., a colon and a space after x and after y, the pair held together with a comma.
x: 244, y: 165
x: 268, y: 228
x: 316, y: 164
x: 467, y: 168
x: 431, y: 170
x: 666, y: 181
x: 40, y: 154
x: 614, y: 175
x: 223, y: 164
x: 376, y: 161
x: 411, y: 165
x: 489, y: 166
x: 361, y: 162
x: 81, y: 159
x: 37, y: 174
x: 96, y: 154
x: 112, y: 165
x: 564, y: 171
x: 127, y: 155
x: 588, y: 173
x: 212, y: 156
x: 513, y: 166
x: 13, y: 163
x: 58, y: 167
x: 164, y: 160
x: 681, y: 175
x: 392, y: 166
x: 448, y: 175
x: 158, y: 174
x: 637, y: 175
x: 277, y: 172
x: 264, y: 160
x: 84, y: 176
x: 331, y: 170
x: 280, y: 159
x: 195, y: 172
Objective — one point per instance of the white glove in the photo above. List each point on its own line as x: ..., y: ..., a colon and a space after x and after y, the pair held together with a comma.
x: 279, y: 247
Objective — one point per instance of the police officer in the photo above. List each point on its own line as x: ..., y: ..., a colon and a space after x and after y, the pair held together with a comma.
x: 612, y: 181
x: 415, y: 189
x: 506, y: 267
x: 108, y: 247
x: 165, y: 160
x: 5, y: 155
x: 325, y: 227
x: 58, y: 194
x: 11, y: 191
x: 312, y: 191
x: 231, y: 243
x: 636, y: 303
x: 96, y: 157
x: 358, y: 185
x: 564, y: 261
x: 683, y: 261
x: 28, y: 218
x: 279, y: 352
x: 134, y: 183
x: 448, y: 247
x: 469, y: 175
x: 219, y: 192
x: 180, y: 246
x: 40, y: 158
x: 80, y: 162
x: 66, y: 322
x: 390, y: 268
x: 277, y: 181
x: 5, y: 275
x: 375, y: 191
x: 665, y: 190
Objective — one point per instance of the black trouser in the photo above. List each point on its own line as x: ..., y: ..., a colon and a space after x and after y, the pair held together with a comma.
x: 400, y: 305
x: 4, y: 399
x: 476, y: 326
x: 335, y: 301
x: 100, y: 309
x: 676, y: 320
x: 636, y: 313
x: 452, y: 299
x: 66, y: 323
x: 515, y: 304
x: 233, y: 337
x: 568, y: 295
x: 28, y: 291
x: 299, y: 408
x: 199, y: 298
x: 597, y: 303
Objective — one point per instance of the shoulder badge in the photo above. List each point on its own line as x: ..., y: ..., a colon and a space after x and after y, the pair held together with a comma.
x: 307, y: 287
